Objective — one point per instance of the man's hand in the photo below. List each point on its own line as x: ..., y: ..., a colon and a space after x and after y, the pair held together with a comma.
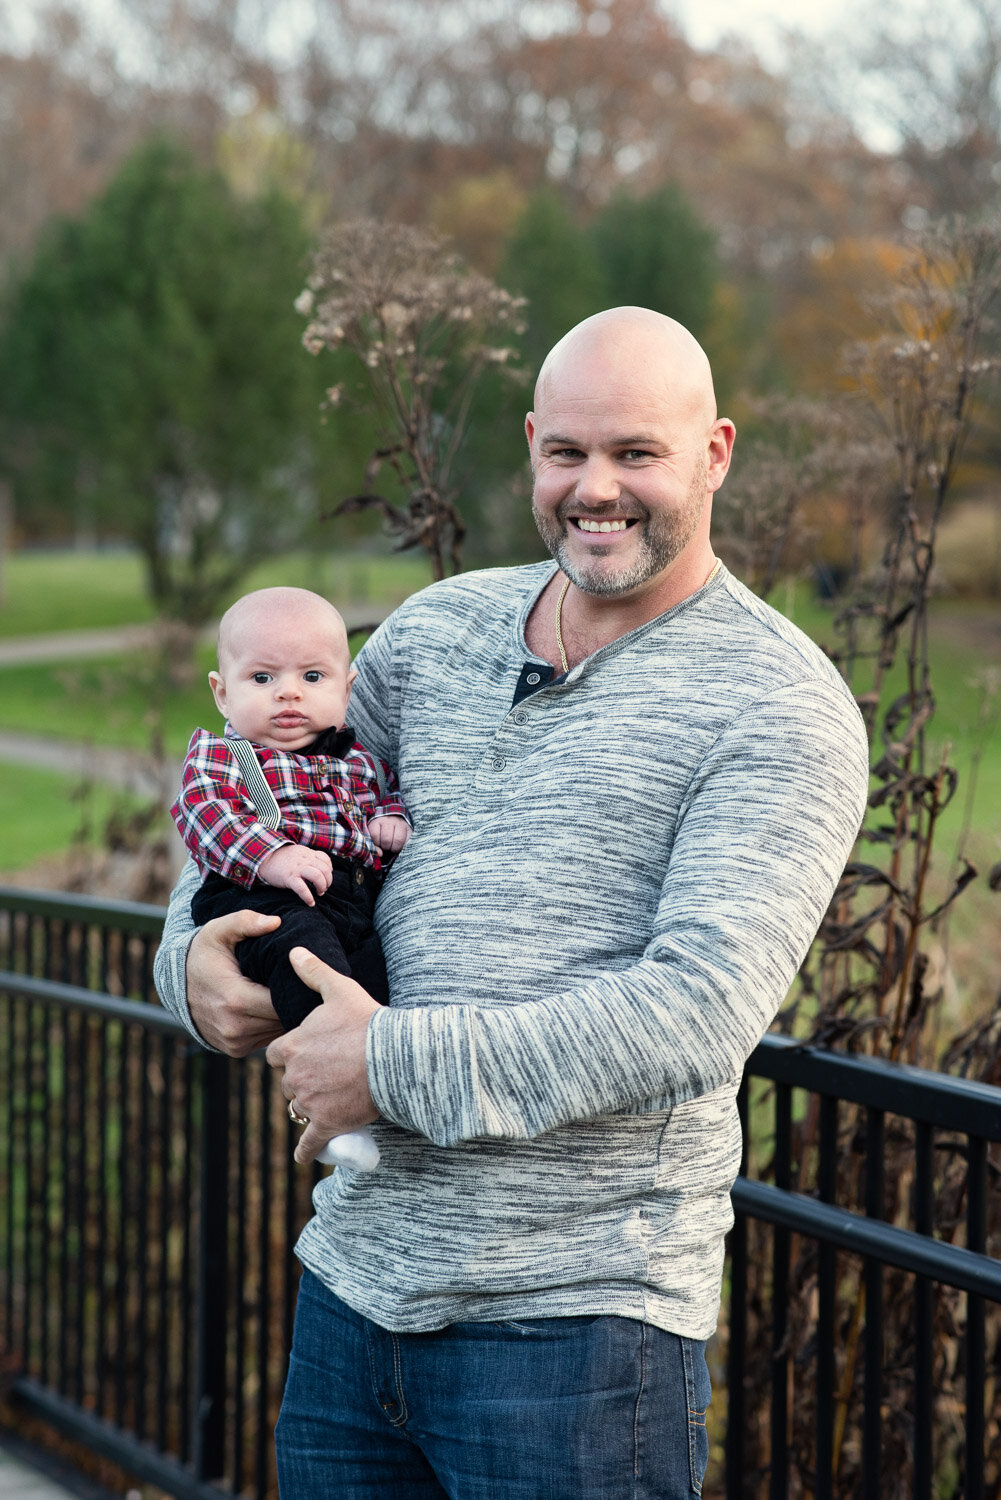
x: 389, y: 832
x: 292, y: 865
x: 231, y: 1012
x: 324, y: 1058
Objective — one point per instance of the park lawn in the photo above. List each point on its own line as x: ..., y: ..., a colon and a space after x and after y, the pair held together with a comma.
x: 43, y: 813
x: 69, y: 590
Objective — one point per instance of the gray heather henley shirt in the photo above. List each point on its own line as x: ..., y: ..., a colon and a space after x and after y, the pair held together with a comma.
x: 609, y: 890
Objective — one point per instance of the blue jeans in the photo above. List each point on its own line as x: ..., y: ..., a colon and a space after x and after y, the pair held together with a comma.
x: 593, y: 1408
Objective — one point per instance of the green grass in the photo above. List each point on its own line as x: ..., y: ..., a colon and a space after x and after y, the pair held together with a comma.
x: 72, y: 591
x: 65, y: 590
x: 966, y: 726
x: 41, y: 813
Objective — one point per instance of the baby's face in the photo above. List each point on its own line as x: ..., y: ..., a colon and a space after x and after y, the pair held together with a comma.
x: 284, y: 684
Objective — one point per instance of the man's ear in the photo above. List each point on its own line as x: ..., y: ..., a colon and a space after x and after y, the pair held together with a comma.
x: 721, y: 436
x: 530, y: 430
x: 218, y: 687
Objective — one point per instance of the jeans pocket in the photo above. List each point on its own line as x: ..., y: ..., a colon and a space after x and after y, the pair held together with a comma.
x: 697, y: 1391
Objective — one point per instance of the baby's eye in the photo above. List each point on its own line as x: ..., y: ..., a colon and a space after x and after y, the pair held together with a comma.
x: 313, y: 676
x: 261, y: 678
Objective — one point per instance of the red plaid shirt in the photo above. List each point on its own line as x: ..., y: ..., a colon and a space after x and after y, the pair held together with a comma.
x: 324, y: 801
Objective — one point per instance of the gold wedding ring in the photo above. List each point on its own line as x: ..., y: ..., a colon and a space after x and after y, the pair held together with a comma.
x: 296, y: 1119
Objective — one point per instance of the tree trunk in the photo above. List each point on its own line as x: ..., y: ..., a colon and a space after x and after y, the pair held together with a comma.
x: 6, y: 526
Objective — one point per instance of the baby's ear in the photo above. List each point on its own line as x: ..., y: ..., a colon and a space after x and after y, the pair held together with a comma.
x: 351, y: 677
x: 218, y: 687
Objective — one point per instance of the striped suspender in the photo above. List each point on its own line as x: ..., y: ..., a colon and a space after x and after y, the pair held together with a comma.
x: 261, y: 795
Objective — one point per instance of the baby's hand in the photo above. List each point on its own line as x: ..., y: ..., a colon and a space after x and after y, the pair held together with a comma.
x: 390, y: 832
x: 293, y: 865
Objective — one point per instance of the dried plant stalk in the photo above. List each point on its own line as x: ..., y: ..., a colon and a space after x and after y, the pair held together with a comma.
x: 423, y: 329
x: 869, y: 983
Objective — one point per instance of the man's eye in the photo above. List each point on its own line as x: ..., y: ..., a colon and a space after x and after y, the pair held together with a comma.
x: 632, y: 454
x: 261, y: 678
x: 313, y: 676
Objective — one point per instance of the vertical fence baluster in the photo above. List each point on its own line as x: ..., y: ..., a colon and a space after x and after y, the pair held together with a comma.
x: 781, y: 1241
x: 266, y: 1282
x: 827, y: 1181
x: 736, y: 1358
x: 164, y: 1362
x: 240, y: 1281
x: 872, y: 1272
x: 191, y: 1076
x: 924, y: 1404
x: 144, y: 1248
x: 7, y: 1170
x: 213, y: 1216
x: 976, y: 1347
x: 119, y: 1355
x: 102, y: 1248
x: 46, y: 1187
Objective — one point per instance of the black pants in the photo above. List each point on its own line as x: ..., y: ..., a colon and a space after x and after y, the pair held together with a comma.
x: 338, y: 929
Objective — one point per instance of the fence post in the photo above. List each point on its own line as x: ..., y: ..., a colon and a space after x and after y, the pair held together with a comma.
x: 210, y: 1357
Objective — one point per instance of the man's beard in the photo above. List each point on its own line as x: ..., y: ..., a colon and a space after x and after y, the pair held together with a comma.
x: 664, y: 535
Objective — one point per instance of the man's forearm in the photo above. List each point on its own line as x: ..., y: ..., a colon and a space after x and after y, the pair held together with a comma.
x: 171, y: 957
x: 169, y: 970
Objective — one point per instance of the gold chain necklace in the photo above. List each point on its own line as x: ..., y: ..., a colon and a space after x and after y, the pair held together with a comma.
x: 559, y: 614
x: 559, y: 633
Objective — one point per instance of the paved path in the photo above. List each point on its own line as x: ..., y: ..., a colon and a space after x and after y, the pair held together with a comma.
x: 77, y: 644
x: 20, y: 1480
x: 64, y: 645
x: 128, y: 769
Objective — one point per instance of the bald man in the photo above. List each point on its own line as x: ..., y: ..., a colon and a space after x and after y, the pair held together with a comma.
x: 634, y: 788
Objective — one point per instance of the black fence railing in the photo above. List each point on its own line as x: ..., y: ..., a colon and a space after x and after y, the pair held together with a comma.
x: 149, y: 1205
x: 862, y: 1299
x: 148, y: 1208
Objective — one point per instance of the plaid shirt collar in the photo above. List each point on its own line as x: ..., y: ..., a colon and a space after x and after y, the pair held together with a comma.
x: 333, y: 741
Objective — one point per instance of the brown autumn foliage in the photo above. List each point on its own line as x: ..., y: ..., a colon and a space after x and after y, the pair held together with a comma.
x: 873, y: 982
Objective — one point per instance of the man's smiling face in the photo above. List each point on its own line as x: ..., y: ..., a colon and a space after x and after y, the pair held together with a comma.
x: 623, y: 460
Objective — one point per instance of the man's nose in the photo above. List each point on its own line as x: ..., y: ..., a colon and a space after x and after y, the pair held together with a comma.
x: 598, y: 482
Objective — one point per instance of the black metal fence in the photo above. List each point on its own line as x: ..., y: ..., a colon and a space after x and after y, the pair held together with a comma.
x: 149, y: 1204
x: 862, y: 1302
x: 148, y: 1208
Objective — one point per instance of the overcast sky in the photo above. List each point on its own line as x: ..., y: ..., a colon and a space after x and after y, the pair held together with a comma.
x: 759, y: 22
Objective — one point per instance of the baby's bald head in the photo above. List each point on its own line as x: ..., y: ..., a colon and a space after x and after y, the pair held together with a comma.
x: 260, y: 615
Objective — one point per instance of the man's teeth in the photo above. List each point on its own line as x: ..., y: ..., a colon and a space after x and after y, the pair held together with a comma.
x: 602, y: 525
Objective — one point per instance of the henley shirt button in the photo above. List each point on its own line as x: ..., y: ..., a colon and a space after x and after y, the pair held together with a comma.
x: 521, y: 718
x: 533, y: 679
x: 499, y: 763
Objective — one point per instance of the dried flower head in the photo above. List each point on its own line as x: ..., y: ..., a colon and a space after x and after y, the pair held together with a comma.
x: 422, y: 328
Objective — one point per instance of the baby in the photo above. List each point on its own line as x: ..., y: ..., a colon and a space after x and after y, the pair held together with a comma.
x: 303, y: 830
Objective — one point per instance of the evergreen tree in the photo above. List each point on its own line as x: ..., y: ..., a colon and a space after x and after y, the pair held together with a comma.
x: 654, y: 252
x: 551, y: 261
x: 153, y: 376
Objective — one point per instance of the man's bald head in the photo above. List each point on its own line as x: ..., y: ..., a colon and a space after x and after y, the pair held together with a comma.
x: 630, y: 343
x: 297, y: 610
